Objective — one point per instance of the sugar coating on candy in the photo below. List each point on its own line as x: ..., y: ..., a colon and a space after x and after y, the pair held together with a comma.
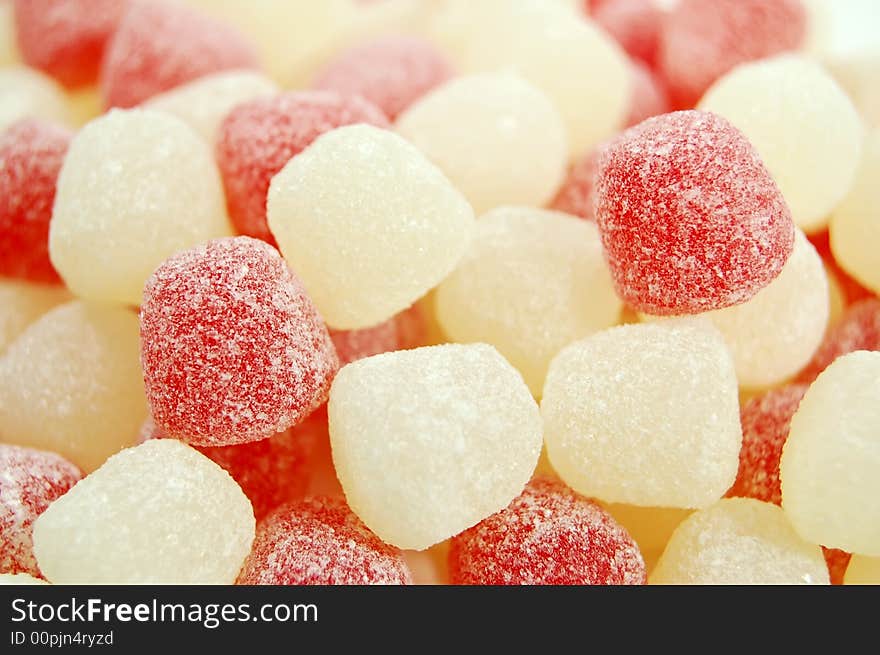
x: 775, y: 333
x: 428, y: 442
x: 27, y: 93
x: 635, y: 24
x: 690, y: 218
x: 232, y: 347
x: 548, y: 535
x: 775, y: 103
x: 765, y: 424
x: 857, y: 329
x: 649, y: 97
x: 739, y: 541
x: 575, y: 196
x: 320, y: 541
x: 136, y: 186
x: 161, y: 44
x: 158, y: 513
x: 258, y: 138
x: 66, y: 38
x: 832, y: 455
x: 546, y: 43
x: 863, y: 570
x: 399, y: 228
x: 19, y: 578
x: 21, y: 303
x: 497, y: 137
x: 204, y: 103
x: 532, y: 282
x: 391, y: 72
x: 645, y: 415
x: 855, y: 224
x: 31, y: 153
x: 700, y: 40
x: 71, y: 383
x: 29, y: 481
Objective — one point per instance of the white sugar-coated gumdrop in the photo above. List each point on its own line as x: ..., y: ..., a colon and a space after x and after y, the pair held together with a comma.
x: 580, y: 67
x: 8, y: 48
x: 19, y: 578
x: 532, y: 282
x: 136, y: 187
x: 775, y: 333
x: 205, y: 102
x: 72, y: 383
x: 497, y: 138
x: 855, y: 224
x: 28, y: 93
x: 831, y: 458
x: 739, y: 541
x: 428, y: 442
x: 863, y: 570
x: 319, y: 29
x: 645, y: 415
x: 159, y: 513
x: 803, y: 125
x: 21, y: 303
x: 368, y: 223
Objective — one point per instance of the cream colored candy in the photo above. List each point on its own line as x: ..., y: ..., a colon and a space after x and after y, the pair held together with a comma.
x: 205, y: 102
x: 21, y: 303
x: 578, y: 65
x: 803, y: 125
x: 532, y: 282
x: 645, y: 415
x: 8, y: 47
x: 830, y: 461
x: 28, y: 93
x: 367, y: 223
x: 739, y: 541
x: 855, y: 224
x: 498, y: 139
x: 159, y: 513
x: 136, y: 187
x: 72, y: 383
x: 863, y: 570
x: 19, y: 578
x: 774, y: 334
x: 428, y: 442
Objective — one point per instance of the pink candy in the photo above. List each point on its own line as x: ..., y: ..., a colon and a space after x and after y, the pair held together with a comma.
x: 232, y: 348
x: 575, y: 196
x: 31, y: 154
x: 160, y: 45
x: 29, y: 481
x: 649, y: 97
x: 391, y: 72
x: 635, y: 24
x: 319, y: 541
x: 258, y: 138
x: 690, y: 218
x: 400, y: 332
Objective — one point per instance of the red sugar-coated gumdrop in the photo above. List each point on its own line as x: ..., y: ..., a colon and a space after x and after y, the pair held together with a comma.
x: 31, y: 154
x: 576, y: 195
x: 232, y: 348
x: 700, y: 40
x: 857, y: 329
x: 270, y: 472
x: 400, y: 332
x: 160, y: 45
x: 391, y: 72
x: 649, y: 96
x: 66, y: 38
x: 837, y: 561
x: 547, y: 535
x: 765, y: 423
x: 634, y: 24
x: 258, y: 138
x: 29, y: 481
x: 690, y: 218
x: 320, y: 541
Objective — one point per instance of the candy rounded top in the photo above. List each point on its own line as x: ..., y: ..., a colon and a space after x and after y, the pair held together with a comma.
x: 548, y: 535
x: 232, y: 348
x: 320, y: 541
x: 690, y: 218
x: 258, y: 138
x: 31, y: 154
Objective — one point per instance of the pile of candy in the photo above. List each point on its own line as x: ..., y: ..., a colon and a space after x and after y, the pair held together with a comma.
x: 438, y: 291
